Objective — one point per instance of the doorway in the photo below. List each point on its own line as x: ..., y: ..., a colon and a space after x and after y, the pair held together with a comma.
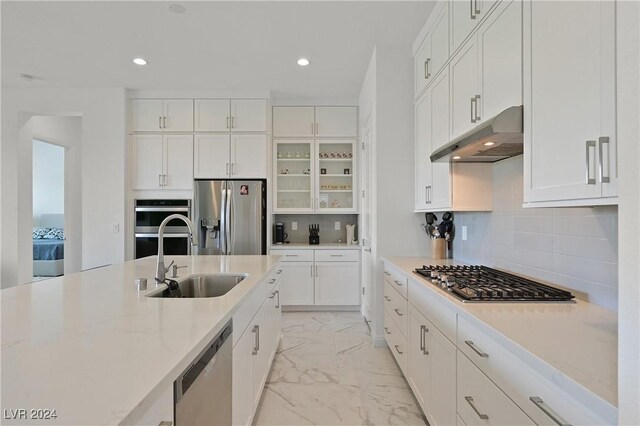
x: 48, y: 183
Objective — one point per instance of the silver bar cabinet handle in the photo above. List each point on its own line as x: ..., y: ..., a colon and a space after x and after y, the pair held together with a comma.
x: 160, y: 122
x: 387, y: 273
x: 590, y: 144
x: 255, y: 330
x: 233, y: 168
x: 604, y: 140
x: 398, y: 349
x: 476, y: 349
x: 477, y: 10
x: 386, y: 330
x: 164, y: 122
x: 228, y: 127
x: 387, y: 298
x: 473, y: 116
x: 258, y: 336
x: 397, y: 282
x: 425, y: 330
x: 159, y: 180
x: 316, y: 270
x: 477, y: 98
x: 471, y: 9
x: 278, y: 299
x: 317, y: 128
x: 470, y: 402
x: 164, y: 180
x: 233, y: 122
x: 426, y: 69
x: 227, y: 168
x: 398, y: 312
x: 422, y: 327
x: 165, y: 423
x: 313, y: 128
x: 548, y: 411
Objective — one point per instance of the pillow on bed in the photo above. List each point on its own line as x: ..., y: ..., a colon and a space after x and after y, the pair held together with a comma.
x: 54, y: 234
x: 39, y: 233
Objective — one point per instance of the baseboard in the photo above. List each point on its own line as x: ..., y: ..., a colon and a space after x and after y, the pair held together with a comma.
x: 379, y: 341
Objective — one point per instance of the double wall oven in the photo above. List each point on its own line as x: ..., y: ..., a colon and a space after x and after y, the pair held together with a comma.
x: 149, y: 214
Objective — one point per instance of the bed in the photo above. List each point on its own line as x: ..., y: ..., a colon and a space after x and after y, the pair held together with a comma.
x: 48, y: 246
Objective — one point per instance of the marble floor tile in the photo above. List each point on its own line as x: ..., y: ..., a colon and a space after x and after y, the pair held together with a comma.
x: 327, y: 372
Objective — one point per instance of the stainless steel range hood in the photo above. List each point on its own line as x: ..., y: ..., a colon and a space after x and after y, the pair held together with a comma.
x: 496, y: 139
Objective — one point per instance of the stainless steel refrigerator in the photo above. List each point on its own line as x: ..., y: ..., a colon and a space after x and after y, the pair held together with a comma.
x: 230, y: 216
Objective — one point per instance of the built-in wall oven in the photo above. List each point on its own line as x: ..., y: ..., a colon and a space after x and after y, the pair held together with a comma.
x: 149, y: 214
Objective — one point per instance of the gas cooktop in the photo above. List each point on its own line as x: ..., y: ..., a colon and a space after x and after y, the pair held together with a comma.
x: 483, y: 284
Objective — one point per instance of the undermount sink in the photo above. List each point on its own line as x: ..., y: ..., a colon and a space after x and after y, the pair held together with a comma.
x: 213, y: 285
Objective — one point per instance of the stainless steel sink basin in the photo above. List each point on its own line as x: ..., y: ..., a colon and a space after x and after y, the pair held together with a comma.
x: 214, y: 285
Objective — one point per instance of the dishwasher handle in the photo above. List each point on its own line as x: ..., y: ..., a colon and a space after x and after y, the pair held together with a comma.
x: 186, y: 379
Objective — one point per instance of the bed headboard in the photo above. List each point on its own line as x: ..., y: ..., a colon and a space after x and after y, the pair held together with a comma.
x: 52, y: 220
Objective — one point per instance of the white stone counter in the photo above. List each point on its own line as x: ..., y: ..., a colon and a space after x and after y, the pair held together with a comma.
x: 575, y: 345
x: 98, y: 352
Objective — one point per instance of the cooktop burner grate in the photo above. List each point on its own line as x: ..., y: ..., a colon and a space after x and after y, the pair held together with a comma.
x: 474, y: 283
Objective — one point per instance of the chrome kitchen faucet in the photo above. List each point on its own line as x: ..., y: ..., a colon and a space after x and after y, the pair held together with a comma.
x: 193, y: 236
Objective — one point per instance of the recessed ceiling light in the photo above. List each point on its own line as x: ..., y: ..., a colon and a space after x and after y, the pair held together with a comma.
x: 488, y: 143
x: 303, y: 62
x: 457, y: 157
x: 177, y: 8
x: 139, y: 61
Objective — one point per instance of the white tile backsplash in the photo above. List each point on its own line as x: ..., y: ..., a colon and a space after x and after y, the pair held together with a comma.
x: 576, y: 248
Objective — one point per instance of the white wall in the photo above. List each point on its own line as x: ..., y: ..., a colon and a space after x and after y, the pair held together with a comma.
x: 628, y: 116
x: 66, y: 131
x: 48, y: 179
x: 103, y: 172
x: 576, y: 248
x: 388, y: 89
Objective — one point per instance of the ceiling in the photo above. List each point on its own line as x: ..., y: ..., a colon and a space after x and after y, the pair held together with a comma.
x: 232, y: 45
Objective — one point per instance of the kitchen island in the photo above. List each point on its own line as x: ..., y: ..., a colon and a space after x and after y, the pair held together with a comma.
x: 97, y: 351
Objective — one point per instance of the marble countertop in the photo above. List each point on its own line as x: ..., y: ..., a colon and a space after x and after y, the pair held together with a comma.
x: 573, y: 344
x: 321, y: 246
x: 98, y: 352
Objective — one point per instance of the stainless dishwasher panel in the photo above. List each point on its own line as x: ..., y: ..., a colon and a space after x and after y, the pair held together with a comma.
x: 203, y: 391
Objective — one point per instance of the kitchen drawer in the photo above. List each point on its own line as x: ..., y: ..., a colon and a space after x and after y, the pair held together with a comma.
x: 397, y: 308
x: 293, y: 255
x: 433, y: 307
x: 521, y: 382
x: 397, y: 279
x: 396, y: 341
x: 274, y: 277
x: 337, y: 255
x: 481, y: 402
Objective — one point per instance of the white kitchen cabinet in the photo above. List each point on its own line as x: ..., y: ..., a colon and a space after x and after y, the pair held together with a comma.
x: 231, y: 115
x: 486, y: 73
x: 308, y: 121
x: 480, y: 402
x: 272, y: 322
x: 293, y: 121
x: 419, y: 361
x: 153, y: 115
x: 319, y: 277
x: 397, y: 342
x: 242, y: 407
x: 230, y: 156
x: 569, y: 98
x: 465, y: 17
x: 296, y: 284
x: 337, y: 283
x: 336, y: 122
x: 163, y: 161
x: 315, y: 175
x: 161, y: 410
x: 259, y: 355
x: 433, y: 53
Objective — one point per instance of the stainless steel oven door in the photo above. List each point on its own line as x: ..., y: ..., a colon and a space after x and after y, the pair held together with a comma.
x: 175, y: 244
x: 148, y: 219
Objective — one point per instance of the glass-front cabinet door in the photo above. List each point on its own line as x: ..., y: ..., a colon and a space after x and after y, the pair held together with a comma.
x: 293, y: 168
x: 336, y: 181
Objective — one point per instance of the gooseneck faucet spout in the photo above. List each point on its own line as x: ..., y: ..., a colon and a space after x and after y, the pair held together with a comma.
x: 161, y: 270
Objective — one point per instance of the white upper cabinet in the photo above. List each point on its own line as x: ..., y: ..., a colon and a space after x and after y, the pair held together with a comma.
x: 235, y: 115
x: 500, y: 67
x: 464, y: 89
x: 423, y: 151
x: 163, y: 161
x: 486, y: 73
x: 434, y: 51
x: 465, y: 17
x: 293, y: 121
x: 248, y: 115
x: 230, y: 156
x: 153, y: 115
x: 336, y: 122
x: 569, y: 98
x: 212, y: 115
x: 321, y: 122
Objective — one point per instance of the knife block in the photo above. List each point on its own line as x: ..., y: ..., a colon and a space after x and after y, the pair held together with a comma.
x: 314, y: 239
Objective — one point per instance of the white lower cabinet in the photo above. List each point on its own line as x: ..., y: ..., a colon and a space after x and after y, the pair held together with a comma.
x: 161, y: 412
x: 319, y: 277
x: 254, y: 350
x: 480, y: 402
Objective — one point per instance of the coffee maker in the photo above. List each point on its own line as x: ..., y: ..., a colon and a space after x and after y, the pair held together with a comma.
x: 280, y: 236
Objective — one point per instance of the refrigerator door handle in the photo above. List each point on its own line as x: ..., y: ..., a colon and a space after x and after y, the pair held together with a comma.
x: 230, y: 211
x: 227, y: 208
x: 223, y: 220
